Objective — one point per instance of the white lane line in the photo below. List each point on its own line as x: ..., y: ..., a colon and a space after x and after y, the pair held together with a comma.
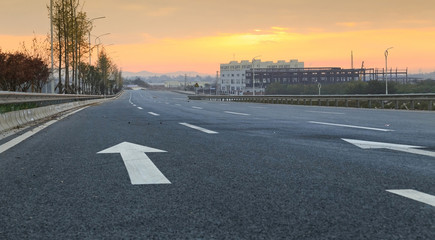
x: 199, y: 128
x: 337, y: 113
x: 139, y: 108
x: 236, y: 113
x: 197, y: 107
x: 6, y: 146
x: 415, y: 195
x: 134, y: 105
x: 154, y: 114
x: 257, y: 107
x: 351, y: 126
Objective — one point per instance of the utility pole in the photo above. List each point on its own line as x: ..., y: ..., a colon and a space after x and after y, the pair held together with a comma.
x: 52, y: 60
x: 351, y: 59
x: 386, y: 70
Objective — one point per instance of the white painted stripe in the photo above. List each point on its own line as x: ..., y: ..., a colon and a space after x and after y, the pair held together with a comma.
x: 134, y: 105
x: 154, y: 114
x: 415, y: 195
x: 199, y: 128
x: 337, y: 113
x: 258, y: 107
x: 139, y: 108
x: 6, y: 146
x: 351, y: 126
x: 197, y: 107
x: 236, y: 113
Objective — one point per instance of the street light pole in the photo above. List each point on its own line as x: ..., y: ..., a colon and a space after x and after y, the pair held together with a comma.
x: 386, y: 70
x: 98, y: 37
x: 90, y: 53
x: 253, y: 75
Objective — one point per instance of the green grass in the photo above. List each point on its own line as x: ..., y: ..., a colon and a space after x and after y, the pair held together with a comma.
x: 16, y: 107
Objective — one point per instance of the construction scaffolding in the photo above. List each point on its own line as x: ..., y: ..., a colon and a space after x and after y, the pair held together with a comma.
x: 265, y: 76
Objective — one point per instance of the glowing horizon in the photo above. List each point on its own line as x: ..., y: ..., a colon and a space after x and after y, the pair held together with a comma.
x: 153, y: 37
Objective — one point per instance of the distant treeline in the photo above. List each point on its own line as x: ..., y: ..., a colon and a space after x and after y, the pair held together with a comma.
x: 354, y: 87
x: 179, y: 78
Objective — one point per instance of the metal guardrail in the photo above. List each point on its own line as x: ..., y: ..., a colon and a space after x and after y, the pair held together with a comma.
x: 391, y: 101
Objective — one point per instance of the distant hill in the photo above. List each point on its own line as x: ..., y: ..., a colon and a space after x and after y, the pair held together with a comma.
x: 146, y: 74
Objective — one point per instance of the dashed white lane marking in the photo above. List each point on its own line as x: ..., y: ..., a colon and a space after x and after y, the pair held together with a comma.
x: 237, y: 113
x: 154, y: 114
x: 139, y: 108
x: 337, y: 113
x: 134, y: 105
x: 415, y: 195
x: 351, y: 126
x: 6, y: 146
x: 197, y: 107
x: 199, y: 128
x: 257, y: 107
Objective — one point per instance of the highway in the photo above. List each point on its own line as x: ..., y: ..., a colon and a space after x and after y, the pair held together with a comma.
x: 153, y: 165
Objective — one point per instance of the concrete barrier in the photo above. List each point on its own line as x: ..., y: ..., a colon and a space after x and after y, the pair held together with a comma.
x: 15, y: 119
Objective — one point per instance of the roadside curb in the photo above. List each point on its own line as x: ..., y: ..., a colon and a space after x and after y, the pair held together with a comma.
x: 19, y: 118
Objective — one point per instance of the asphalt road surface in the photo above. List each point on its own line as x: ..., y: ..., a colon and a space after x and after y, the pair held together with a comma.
x: 153, y: 165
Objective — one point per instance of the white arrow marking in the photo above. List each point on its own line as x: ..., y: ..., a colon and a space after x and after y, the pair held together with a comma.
x: 415, y: 195
x: 396, y: 147
x: 139, y: 166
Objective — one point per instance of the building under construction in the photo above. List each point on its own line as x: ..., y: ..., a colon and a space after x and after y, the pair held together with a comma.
x: 266, y: 76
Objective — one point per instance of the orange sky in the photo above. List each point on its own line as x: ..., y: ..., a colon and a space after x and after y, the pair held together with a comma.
x: 192, y: 35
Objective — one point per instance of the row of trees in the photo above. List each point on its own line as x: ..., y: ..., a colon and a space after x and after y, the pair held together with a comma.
x: 22, y: 72
x: 353, y: 87
x: 71, y: 30
x: 27, y: 70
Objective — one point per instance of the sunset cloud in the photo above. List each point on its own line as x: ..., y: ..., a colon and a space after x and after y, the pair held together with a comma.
x: 320, y: 49
x: 353, y: 24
